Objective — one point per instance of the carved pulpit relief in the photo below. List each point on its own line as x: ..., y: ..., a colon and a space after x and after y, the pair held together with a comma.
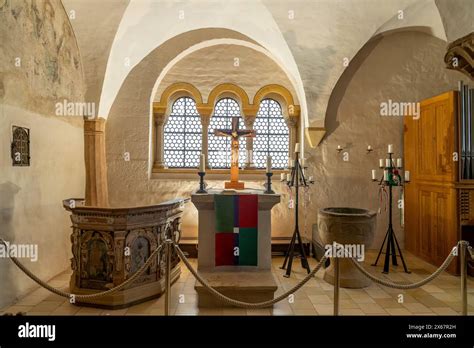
x: 235, y: 133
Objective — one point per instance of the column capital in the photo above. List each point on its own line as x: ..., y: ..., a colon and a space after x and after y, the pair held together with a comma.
x: 292, y: 121
x: 250, y: 111
x: 204, y: 110
x: 205, y: 120
x: 94, y: 125
x: 249, y: 121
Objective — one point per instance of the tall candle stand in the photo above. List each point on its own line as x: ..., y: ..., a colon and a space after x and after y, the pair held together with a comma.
x: 390, y: 178
x: 297, y: 180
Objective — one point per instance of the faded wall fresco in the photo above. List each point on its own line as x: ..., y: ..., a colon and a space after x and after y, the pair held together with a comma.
x: 39, y: 66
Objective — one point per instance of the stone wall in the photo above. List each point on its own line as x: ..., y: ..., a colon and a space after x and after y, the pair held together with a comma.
x: 39, y: 66
x: 405, y: 67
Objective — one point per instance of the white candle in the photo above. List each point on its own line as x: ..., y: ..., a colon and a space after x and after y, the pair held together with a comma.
x: 302, y: 161
x: 381, y: 163
x: 297, y: 147
x: 339, y: 147
x: 202, y: 164
x: 390, y: 148
x: 290, y: 162
x: 310, y: 178
x: 288, y: 177
x: 369, y: 148
x: 399, y: 162
x: 387, y: 162
x: 407, y: 175
x: 269, y: 164
x: 282, y: 176
x: 374, y: 173
x: 385, y: 175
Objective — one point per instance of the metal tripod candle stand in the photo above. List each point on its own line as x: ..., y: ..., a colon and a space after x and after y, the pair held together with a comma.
x: 391, y: 178
x: 297, y: 180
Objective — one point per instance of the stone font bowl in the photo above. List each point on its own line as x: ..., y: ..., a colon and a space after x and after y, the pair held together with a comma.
x: 354, y: 228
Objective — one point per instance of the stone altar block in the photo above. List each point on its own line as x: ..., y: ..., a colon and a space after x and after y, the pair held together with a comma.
x: 245, y: 283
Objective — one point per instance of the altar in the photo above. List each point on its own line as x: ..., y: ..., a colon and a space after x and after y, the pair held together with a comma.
x: 234, y: 245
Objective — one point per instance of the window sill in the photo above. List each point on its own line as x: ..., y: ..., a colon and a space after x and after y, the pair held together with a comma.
x: 212, y: 174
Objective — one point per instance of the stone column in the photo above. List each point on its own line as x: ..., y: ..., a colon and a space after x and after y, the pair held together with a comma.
x: 292, y: 123
x: 95, y: 162
x: 205, y: 112
x: 249, y: 122
x: 159, y: 137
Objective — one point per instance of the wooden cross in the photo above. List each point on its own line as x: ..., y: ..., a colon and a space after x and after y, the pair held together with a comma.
x: 235, y: 133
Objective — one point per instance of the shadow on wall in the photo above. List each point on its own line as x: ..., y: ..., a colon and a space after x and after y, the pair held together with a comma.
x: 340, y: 88
x: 8, y: 190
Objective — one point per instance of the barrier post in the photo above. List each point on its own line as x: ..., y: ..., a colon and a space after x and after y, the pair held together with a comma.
x: 336, y: 285
x: 169, y: 245
x: 463, y: 264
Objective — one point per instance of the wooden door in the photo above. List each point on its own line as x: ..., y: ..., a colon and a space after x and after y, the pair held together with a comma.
x: 431, y: 221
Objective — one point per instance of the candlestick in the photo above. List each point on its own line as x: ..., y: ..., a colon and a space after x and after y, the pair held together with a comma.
x: 407, y: 175
x: 269, y: 183
x: 201, y: 183
x: 269, y: 164
x: 374, y: 173
x: 202, y: 163
x: 381, y: 163
x: 297, y: 147
x: 399, y: 162
x: 390, y: 148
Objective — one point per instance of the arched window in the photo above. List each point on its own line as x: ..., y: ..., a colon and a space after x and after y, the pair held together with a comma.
x: 272, y: 136
x: 20, y: 147
x: 182, y: 135
x: 219, y: 147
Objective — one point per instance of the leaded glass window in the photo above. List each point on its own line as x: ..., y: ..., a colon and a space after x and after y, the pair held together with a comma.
x: 20, y: 148
x: 182, y: 133
x: 272, y: 136
x: 219, y: 146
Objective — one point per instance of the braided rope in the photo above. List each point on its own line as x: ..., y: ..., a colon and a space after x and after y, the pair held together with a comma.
x: 405, y: 286
x: 242, y: 304
x: 89, y: 296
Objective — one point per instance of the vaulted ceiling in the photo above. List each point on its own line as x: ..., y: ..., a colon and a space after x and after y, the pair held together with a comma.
x: 311, y: 40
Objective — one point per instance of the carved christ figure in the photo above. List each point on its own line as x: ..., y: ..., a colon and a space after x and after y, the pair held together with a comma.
x: 235, y: 133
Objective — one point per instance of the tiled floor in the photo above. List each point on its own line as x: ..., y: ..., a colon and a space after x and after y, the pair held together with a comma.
x: 440, y: 297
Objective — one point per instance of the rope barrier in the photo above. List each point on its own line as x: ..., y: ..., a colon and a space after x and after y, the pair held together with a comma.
x: 234, y: 302
x: 402, y: 286
x: 242, y: 304
x: 89, y: 296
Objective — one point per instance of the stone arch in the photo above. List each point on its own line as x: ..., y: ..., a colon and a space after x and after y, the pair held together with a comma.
x: 229, y: 90
x: 282, y: 95
x: 173, y: 93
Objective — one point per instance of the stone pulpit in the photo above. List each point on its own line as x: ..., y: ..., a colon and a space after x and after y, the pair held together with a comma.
x: 110, y: 244
x: 234, y: 245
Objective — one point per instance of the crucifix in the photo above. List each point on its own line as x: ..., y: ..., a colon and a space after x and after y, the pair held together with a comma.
x: 235, y: 133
